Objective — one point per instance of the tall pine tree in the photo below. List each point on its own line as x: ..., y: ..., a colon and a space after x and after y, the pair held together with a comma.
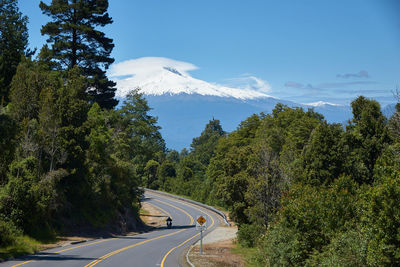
x: 77, y: 42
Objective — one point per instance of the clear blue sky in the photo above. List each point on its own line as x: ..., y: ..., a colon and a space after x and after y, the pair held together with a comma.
x: 307, y: 50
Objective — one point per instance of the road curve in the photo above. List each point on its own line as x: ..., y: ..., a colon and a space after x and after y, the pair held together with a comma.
x: 161, y: 247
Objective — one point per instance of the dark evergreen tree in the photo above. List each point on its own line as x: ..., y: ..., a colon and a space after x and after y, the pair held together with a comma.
x: 322, y: 158
x: 29, y: 80
x: 13, y: 42
x: 8, y: 131
x: 144, y: 131
x: 77, y: 42
x: 365, y: 139
x: 203, y: 146
x: 173, y: 156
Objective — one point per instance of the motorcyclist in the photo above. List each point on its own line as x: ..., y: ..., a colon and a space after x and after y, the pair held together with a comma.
x: 169, y: 222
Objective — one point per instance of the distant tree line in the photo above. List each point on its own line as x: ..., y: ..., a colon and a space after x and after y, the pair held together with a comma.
x: 68, y: 159
x: 303, y: 191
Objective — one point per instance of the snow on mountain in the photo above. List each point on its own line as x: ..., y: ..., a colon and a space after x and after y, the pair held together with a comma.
x: 160, y: 76
x: 321, y: 103
x: 184, y: 104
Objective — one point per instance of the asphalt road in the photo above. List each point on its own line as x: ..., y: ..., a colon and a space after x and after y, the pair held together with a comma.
x: 161, y: 247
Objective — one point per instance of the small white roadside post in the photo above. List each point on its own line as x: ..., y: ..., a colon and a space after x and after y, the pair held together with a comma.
x: 201, y: 224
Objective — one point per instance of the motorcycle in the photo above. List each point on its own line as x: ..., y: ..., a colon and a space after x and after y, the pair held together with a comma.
x: 169, y: 223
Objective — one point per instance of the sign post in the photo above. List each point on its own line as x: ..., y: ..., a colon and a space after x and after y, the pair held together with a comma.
x: 201, y: 242
x: 201, y: 225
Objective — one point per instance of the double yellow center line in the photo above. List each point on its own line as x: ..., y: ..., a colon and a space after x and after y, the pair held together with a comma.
x: 128, y: 247
x: 93, y: 263
x: 187, y: 240
x: 140, y: 243
x: 85, y: 245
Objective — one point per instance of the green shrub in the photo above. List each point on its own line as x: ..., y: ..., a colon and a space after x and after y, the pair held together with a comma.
x: 282, y: 246
x: 381, y: 223
x: 248, y: 234
x: 309, y: 218
x: 8, y: 233
x: 346, y: 249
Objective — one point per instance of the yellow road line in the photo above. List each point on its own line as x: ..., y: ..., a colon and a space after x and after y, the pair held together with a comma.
x: 187, y: 240
x: 189, y: 205
x: 190, y: 216
x: 128, y: 247
x: 134, y: 245
x: 25, y: 262
x: 21, y: 263
x: 164, y: 211
x: 172, y: 249
x: 143, y: 242
x: 196, y: 208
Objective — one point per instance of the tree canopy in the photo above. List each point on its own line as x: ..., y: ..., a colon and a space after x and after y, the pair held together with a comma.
x: 302, y: 190
x: 76, y: 41
x: 13, y: 44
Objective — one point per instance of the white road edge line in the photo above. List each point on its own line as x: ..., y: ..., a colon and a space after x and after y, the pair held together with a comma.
x: 187, y: 257
x: 195, y: 204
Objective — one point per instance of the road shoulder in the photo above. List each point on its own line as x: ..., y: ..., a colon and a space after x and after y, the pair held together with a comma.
x: 218, y: 249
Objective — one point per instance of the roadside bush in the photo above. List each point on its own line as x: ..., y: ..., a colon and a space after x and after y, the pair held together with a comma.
x: 381, y: 223
x: 346, y: 249
x: 310, y: 217
x: 8, y: 233
x: 281, y: 246
x: 248, y: 234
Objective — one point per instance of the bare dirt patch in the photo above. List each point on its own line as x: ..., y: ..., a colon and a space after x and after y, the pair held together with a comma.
x: 216, y: 255
x: 152, y: 216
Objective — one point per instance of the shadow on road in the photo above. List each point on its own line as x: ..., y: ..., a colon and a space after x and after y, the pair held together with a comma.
x: 175, y: 227
x: 157, y: 229
x: 46, y: 256
x: 145, y: 199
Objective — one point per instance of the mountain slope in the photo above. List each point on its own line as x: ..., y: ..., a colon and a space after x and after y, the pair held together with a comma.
x: 183, y: 116
x: 159, y: 76
x: 185, y: 104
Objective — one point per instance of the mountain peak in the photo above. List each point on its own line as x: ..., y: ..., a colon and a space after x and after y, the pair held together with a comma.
x: 159, y: 76
x: 173, y: 70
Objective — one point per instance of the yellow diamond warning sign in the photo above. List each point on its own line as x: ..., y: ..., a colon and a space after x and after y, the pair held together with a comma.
x: 201, y: 220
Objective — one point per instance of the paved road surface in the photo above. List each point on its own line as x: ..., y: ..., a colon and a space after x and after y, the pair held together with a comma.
x: 162, y: 247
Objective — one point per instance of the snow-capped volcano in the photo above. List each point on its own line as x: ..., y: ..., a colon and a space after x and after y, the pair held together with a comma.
x: 184, y: 104
x: 160, y: 76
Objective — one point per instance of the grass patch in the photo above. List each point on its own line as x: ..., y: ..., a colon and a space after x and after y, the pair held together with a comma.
x: 143, y: 212
x: 23, y: 245
x: 247, y: 253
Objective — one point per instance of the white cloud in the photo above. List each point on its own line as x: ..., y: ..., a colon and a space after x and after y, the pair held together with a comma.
x: 146, y: 65
x: 249, y: 82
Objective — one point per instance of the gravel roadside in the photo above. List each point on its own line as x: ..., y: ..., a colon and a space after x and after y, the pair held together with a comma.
x: 217, y: 249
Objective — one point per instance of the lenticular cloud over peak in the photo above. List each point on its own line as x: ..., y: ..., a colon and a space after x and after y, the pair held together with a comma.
x: 148, y: 65
x: 159, y: 75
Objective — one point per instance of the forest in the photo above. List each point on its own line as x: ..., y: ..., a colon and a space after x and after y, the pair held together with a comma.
x: 70, y: 161
x: 301, y: 190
